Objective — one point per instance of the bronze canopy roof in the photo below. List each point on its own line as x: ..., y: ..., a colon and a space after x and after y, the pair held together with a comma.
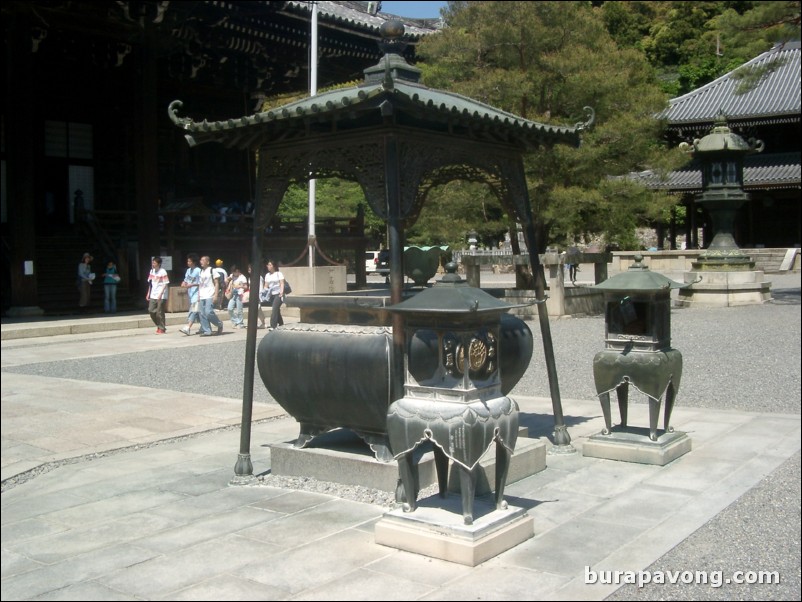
x: 404, y: 103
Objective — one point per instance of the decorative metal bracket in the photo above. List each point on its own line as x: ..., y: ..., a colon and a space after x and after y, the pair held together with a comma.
x: 172, y: 113
x: 588, y: 124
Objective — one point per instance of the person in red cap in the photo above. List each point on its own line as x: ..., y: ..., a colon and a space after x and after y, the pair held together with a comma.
x: 219, y: 273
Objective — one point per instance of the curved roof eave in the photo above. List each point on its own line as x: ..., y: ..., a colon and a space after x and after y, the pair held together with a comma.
x: 239, y: 132
x: 740, y: 121
x: 338, y: 14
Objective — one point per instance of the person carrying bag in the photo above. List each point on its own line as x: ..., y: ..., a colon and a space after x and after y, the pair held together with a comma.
x: 274, y: 293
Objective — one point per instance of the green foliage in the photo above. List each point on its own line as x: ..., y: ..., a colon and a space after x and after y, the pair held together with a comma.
x: 454, y: 210
x: 333, y: 198
x: 629, y: 22
x: 545, y: 61
x: 702, y: 71
x: 675, y: 38
x: 692, y: 43
x: 748, y: 33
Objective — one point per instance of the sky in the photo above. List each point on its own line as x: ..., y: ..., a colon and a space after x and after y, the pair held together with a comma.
x: 415, y: 10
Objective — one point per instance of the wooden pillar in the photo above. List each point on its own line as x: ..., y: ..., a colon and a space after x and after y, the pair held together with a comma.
x: 661, y: 235
x: 672, y: 236
x: 146, y: 160
x: 21, y: 168
x: 692, y: 237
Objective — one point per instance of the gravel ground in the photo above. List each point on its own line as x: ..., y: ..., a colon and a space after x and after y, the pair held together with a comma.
x: 742, y: 358
x: 760, y: 373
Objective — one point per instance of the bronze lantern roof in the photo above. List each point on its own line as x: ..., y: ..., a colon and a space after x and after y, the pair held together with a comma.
x: 639, y: 278
x: 722, y: 139
x: 452, y: 295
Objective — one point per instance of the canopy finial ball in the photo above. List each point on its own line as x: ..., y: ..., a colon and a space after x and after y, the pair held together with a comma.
x: 392, y: 30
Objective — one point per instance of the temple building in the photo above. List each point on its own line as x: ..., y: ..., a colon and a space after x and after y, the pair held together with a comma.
x: 766, y: 108
x: 90, y: 159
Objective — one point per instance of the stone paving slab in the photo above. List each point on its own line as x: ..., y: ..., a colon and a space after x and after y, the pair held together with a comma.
x: 163, y: 522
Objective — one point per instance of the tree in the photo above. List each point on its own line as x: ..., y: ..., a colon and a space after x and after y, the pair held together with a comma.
x: 545, y: 61
x: 469, y: 207
x: 693, y: 43
x: 755, y: 31
x: 334, y: 197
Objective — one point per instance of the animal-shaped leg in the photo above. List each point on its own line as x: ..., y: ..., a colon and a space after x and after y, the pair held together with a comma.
x: 604, y: 398
x: 441, y: 466
x: 503, y: 456
x: 467, y: 485
x: 671, y: 394
x: 654, y: 415
x: 408, y: 471
x: 623, y: 401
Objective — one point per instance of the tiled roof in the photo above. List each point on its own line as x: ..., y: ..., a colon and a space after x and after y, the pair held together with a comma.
x: 352, y: 15
x: 764, y: 171
x: 776, y: 98
x: 434, y: 106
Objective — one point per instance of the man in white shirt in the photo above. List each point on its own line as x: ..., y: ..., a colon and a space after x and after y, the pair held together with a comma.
x: 157, y: 293
x: 208, y: 290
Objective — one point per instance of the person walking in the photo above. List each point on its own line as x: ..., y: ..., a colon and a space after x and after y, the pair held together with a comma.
x: 191, y: 282
x: 572, y: 259
x: 158, y: 282
x: 237, y: 283
x: 274, y: 285
x: 208, y: 290
x: 111, y: 278
x: 85, y: 279
x: 221, y: 274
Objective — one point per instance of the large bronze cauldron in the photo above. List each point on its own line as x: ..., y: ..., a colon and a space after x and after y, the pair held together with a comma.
x: 328, y: 376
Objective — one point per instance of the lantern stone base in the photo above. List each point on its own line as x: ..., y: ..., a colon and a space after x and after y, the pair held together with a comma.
x: 436, y: 529
x: 342, y: 457
x: 724, y: 289
x: 632, y: 444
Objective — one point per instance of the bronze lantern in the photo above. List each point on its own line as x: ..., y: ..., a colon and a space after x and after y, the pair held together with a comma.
x: 456, y: 402
x: 638, y: 348
x: 721, y: 154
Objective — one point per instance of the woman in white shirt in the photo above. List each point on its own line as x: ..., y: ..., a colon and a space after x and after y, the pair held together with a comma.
x: 274, y: 283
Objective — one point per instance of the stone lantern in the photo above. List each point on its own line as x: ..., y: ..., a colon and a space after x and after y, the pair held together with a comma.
x: 638, y: 353
x: 728, y: 274
x: 473, y: 239
x: 457, y: 402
